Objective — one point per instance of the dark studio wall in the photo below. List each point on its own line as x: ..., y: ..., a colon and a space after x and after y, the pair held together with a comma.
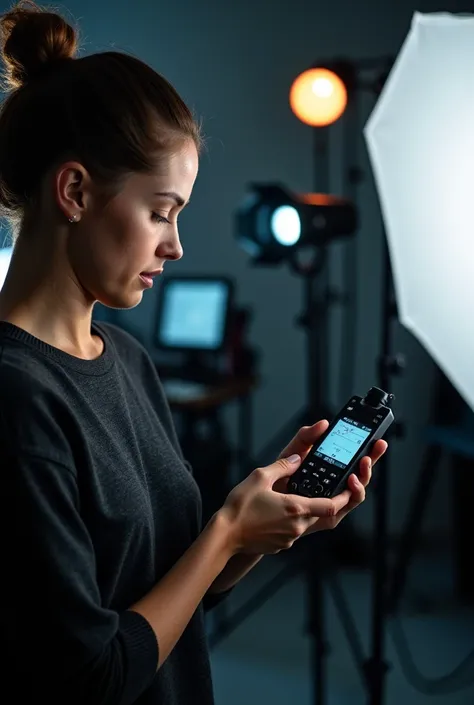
x: 234, y: 62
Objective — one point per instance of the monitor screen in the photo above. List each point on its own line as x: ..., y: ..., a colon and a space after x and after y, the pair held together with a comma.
x: 193, y: 313
x: 5, y: 257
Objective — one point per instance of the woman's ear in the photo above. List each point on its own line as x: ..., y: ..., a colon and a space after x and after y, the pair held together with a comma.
x: 72, y: 189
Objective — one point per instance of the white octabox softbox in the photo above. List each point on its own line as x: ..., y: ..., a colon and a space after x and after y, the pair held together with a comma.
x: 420, y: 138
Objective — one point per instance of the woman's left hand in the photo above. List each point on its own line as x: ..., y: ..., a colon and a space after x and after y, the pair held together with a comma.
x: 356, y: 486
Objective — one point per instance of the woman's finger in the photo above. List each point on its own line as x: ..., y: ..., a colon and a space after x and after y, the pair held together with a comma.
x: 357, y: 489
x: 304, y: 439
x: 357, y: 496
x: 378, y: 450
x: 322, y: 507
x: 365, y: 470
x: 368, y: 461
x: 310, y: 434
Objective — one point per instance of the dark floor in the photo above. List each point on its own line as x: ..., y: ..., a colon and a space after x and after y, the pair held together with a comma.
x: 266, y: 660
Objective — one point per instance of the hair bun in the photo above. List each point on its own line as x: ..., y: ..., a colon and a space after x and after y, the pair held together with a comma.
x: 32, y: 41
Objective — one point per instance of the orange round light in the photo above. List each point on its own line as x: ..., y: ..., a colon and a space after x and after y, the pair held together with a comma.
x: 318, y: 97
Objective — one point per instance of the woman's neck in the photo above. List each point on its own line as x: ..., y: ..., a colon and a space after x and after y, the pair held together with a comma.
x: 47, y: 302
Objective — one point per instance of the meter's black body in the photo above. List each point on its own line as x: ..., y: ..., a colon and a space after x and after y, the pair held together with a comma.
x: 349, y: 437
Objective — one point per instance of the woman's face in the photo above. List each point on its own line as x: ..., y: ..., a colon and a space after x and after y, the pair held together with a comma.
x: 136, y: 232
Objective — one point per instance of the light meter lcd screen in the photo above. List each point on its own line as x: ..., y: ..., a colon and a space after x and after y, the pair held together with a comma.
x: 343, y: 443
x: 194, y: 315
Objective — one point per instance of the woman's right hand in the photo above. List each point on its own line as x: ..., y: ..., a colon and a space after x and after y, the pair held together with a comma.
x: 262, y: 520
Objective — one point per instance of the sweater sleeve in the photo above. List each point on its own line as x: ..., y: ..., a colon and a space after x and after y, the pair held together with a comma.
x: 60, y: 641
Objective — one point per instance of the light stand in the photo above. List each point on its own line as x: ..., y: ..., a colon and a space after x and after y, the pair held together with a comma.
x: 317, y: 298
x: 315, y: 322
x: 376, y: 666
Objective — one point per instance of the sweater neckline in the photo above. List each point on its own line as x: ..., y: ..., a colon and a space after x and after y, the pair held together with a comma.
x: 97, y: 366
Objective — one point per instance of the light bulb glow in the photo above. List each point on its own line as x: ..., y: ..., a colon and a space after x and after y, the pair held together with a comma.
x: 286, y: 225
x: 318, y: 97
x: 323, y: 88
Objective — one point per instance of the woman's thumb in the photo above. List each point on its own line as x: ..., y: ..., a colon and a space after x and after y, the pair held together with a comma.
x: 286, y: 466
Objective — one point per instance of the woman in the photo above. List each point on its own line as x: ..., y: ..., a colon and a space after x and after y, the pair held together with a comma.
x: 107, y: 569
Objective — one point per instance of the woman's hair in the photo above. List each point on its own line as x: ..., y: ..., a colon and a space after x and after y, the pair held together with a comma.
x: 110, y: 111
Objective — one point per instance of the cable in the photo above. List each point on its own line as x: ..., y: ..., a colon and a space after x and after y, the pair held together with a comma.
x: 459, y: 678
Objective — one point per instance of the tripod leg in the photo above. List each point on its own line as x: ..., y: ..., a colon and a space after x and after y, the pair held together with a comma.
x: 463, y: 498
x: 315, y: 597
x: 413, y: 525
x: 376, y: 666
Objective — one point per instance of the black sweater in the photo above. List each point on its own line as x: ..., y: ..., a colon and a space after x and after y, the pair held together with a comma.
x: 97, y: 504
